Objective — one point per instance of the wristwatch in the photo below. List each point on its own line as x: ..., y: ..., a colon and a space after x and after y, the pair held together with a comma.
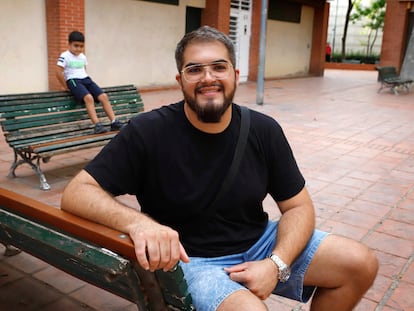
x: 284, y: 270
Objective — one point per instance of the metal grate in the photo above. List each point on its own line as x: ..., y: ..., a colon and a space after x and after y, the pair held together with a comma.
x: 241, y: 4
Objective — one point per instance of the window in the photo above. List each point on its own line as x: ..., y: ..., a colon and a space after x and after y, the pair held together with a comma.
x: 175, y: 2
x: 283, y: 10
x: 192, y: 18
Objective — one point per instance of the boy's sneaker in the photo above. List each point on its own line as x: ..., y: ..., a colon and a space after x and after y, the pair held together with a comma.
x: 99, y: 128
x: 116, y: 125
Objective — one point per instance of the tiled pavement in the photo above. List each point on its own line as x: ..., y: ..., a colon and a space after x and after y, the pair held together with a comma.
x: 355, y: 148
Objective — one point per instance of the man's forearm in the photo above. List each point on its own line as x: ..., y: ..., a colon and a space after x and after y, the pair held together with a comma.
x: 84, y: 198
x: 156, y: 246
x: 294, y: 231
x: 296, y: 226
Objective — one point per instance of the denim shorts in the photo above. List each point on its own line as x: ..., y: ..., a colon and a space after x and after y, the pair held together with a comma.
x: 209, y: 284
x: 82, y: 87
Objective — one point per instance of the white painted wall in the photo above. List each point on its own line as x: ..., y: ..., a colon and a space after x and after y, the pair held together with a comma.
x: 133, y: 41
x: 288, y: 46
x: 23, y: 47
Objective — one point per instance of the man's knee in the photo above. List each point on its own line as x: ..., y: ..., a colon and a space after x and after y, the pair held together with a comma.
x: 364, y: 265
x: 341, y: 261
x: 242, y: 300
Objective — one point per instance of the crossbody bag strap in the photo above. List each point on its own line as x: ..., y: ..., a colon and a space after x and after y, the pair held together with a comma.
x: 234, y: 167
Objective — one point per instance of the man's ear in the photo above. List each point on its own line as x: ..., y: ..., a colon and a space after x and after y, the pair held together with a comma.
x: 237, y: 75
x: 178, y: 78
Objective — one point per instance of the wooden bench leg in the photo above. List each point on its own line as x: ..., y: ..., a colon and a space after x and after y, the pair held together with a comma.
x: 28, y: 158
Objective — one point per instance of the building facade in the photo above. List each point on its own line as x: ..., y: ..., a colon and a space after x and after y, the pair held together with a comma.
x: 132, y: 41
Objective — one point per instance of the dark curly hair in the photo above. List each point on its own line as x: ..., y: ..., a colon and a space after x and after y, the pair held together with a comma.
x: 76, y: 36
x: 203, y: 34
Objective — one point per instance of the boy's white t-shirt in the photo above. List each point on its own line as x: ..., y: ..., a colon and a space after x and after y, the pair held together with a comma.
x: 73, y: 66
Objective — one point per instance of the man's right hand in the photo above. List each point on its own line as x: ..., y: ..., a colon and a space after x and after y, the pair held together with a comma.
x: 157, y: 246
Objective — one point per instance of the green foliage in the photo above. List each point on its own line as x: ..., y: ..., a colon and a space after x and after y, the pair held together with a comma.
x: 373, y: 16
x: 355, y: 57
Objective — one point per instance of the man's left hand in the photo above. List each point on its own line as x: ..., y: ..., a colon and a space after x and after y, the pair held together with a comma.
x: 260, y: 277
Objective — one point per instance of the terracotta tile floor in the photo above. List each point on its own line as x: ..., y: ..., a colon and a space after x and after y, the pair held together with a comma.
x: 355, y: 148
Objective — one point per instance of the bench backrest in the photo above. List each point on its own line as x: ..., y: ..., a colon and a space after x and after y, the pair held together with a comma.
x: 386, y: 73
x: 34, y: 118
x: 103, y: 255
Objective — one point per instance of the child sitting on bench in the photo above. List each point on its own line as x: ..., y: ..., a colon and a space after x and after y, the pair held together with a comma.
x: 72, y: 75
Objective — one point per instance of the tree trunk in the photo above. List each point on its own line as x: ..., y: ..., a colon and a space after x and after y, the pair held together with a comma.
x: 348, y: 14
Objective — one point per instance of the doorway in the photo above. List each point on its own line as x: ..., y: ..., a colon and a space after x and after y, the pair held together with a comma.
x: 240, y: 31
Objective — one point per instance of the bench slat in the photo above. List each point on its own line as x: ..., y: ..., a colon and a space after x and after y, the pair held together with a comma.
x: 19, y: 96
x: 69, y: 145
x: 34, y: 136
x: 29, y: 107
x: 39, y: 126
x: 62, y: 117
x: 14, y: 112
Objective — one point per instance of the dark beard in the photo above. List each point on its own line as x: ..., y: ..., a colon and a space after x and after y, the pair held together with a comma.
x: 209, y: 113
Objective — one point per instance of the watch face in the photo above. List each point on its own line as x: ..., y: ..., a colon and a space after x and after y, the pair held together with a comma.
x: 284, y: 274
x: 284, y: 270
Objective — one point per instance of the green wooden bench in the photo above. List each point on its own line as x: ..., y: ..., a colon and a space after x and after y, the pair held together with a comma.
x: 389, y: 78
x: 40, y: 125
x: 91, y: 252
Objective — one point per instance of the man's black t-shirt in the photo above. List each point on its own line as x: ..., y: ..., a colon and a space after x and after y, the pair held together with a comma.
x: 175, y: 171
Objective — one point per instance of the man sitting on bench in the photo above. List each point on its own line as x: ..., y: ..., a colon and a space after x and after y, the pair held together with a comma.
x: 175, y: 158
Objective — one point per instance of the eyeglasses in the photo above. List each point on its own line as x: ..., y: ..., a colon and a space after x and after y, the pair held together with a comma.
x: 219, y: 70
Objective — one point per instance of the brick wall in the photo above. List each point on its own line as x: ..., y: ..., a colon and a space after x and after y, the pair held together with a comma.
x: 62, y: 17
x: 395, y: 33
x: 319, y: 38
x: 217, y: 14
x: 255, y: 40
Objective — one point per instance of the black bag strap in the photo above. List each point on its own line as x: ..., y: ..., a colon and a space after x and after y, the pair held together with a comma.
x: 238, y: 154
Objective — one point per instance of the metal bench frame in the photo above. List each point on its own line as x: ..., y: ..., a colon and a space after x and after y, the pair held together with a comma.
x: 389, y: 78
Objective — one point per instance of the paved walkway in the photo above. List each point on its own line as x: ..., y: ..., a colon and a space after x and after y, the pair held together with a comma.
x: 355, y: 148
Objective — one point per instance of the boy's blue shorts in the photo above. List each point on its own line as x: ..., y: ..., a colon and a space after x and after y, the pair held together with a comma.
x: 82, y: 87
x: 209, y: 284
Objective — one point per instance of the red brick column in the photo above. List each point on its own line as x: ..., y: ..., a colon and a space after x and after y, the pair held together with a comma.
x: 217, y: 14
x: 62, y: 17
x: 255, y: 40
x: 395, y: 33
x: 319, y: 37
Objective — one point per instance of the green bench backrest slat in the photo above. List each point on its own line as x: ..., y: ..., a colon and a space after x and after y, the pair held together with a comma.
x: 15, y: 109
x: 65, y: 116
x: 53, y: 94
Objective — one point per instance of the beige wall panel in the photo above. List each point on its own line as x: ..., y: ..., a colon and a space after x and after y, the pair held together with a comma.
x: 23, y: 48
x: 288, y: 46
x: 132, y: 41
